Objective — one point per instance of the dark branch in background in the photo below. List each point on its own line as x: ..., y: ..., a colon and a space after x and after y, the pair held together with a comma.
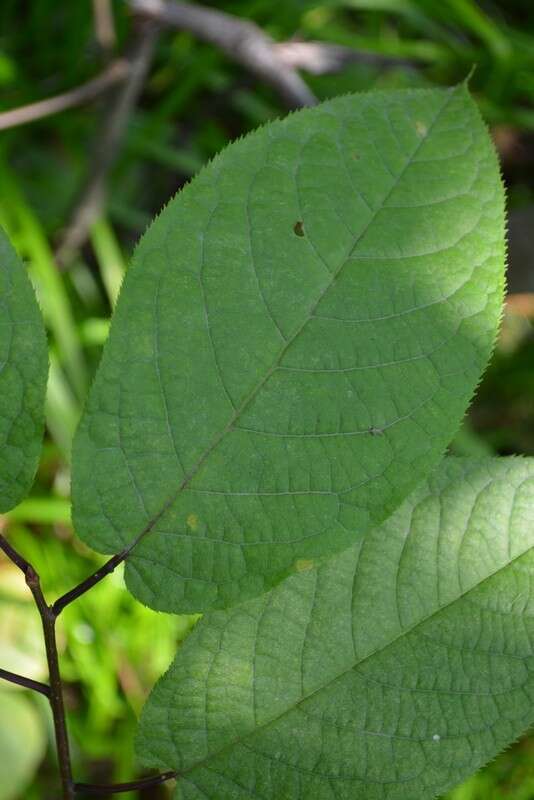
x: 317, y: 58
x: 241, y: 40
x: 104, y: 26
x: 322, y: 58
x: 274, y: 63
x: 109, y: 140
x: 27, y: 683
x: 117, y: 788
x: 115, y: 73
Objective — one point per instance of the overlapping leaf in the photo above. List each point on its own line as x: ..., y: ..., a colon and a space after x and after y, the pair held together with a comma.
x: 295, y: 344
x: 23, y: 373
x: 392, y: 671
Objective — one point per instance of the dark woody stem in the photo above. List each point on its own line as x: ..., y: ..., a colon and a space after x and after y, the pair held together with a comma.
x: 27, y: 683
x: 48, y: 621
x: 54, y: 691
x: 117, y: 788
x: 88, y: 583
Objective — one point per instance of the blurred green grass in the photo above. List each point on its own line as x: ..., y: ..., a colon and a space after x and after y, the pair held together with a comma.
x: 194, y: 102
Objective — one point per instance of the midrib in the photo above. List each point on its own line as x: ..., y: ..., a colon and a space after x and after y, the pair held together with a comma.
x: 250, y: 397
x: 341, y: 675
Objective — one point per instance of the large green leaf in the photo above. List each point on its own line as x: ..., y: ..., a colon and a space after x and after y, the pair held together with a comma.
x: 295, y: 344
x: 23, y: 373
x: 391, y: 672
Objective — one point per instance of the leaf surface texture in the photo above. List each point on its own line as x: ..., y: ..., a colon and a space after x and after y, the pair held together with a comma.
x: 392, y: 671
x: 295, y: 344
x: 23, y: 374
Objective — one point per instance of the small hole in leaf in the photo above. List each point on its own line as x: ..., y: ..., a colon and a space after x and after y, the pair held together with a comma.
x: 298, y: 228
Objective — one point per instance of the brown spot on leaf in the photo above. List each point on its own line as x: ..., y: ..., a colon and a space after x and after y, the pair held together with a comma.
x: 298, y: 228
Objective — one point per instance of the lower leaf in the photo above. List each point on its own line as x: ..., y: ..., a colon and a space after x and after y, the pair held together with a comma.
x: 391, y: 671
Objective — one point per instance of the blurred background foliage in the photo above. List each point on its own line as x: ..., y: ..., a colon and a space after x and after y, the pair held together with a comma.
x: 194, y: 100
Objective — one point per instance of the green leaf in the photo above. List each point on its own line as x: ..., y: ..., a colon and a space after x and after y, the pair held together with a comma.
x: 295, y: 344
x: 392, y: 671
x: 23, y: 373
x: 22, y: 743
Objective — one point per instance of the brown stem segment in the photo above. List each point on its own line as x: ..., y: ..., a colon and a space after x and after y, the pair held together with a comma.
x: 242, y: 41
x: 88, y: 583
x: 117, y: 788
x: 27, y: 683
x: 55, y: 695
x: 116, y: 73
x: 109, y: 141
x: 13, y: 555
x: 97, y: 576
x: 54, y: 692
x: 48, y: 620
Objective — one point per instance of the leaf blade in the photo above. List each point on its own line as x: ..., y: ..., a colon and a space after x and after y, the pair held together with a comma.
x: 283, y: 391
x: 23, y: 375
x: 395, y: 669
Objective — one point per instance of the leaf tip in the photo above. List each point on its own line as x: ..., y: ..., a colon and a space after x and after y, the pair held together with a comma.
x: 467, y: 80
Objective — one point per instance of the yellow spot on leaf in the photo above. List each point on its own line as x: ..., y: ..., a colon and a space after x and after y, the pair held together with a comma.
x: 304, y: 564
x: 192, y: 521
x: 421, y: 128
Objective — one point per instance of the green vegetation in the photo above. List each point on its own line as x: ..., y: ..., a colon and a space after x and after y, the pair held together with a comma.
x: 265, y: 395
x: 346, y: 675
x: 194, y: 101
x: 23, y: 373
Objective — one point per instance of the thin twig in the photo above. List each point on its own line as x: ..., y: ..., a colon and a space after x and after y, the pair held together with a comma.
x: 117, y: 788
x: 116, y: 73
x: 100, y: 573
x: 88, y: 583
x: 48, y: 621
x: 242, y: 41
x: 108, y: 142
x: 55, y: 694
x: 14, y: 555
x: 323, y: 58
x: 54, y: 691
x: 104, y: 26
x: 27, y: 683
